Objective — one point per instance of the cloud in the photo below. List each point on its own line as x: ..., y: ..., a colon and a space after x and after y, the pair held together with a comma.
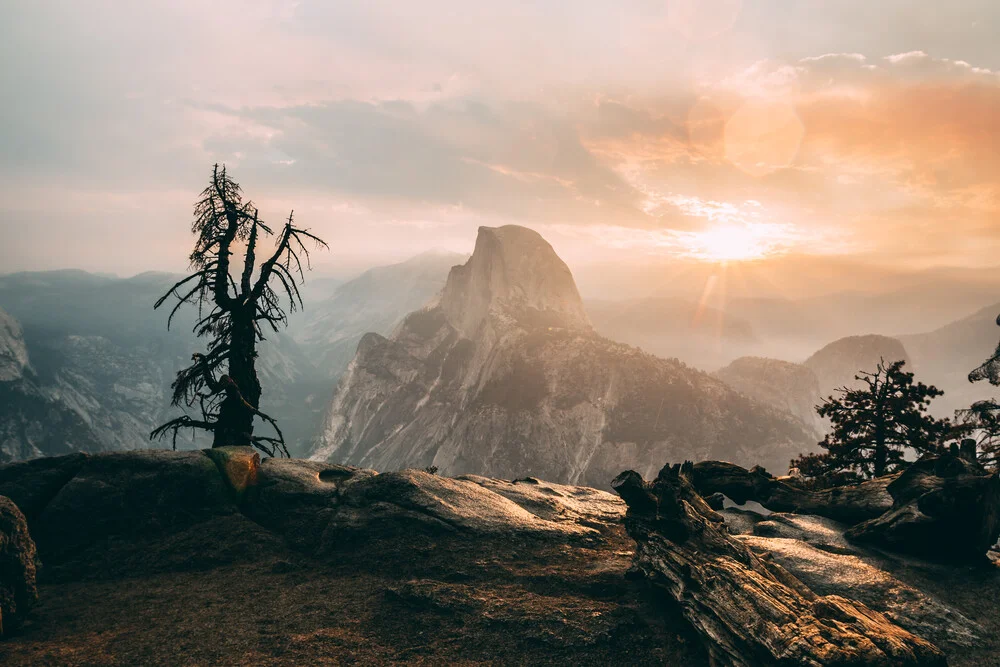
x: 444, y: 115
x: 899, y: 152
x: 513, y: 159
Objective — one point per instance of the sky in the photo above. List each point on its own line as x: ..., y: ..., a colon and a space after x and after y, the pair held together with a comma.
x: 639, y: 132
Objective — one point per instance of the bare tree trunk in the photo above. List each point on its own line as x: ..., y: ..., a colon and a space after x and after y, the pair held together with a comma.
x: 881, y: 455
x: 242, y: 401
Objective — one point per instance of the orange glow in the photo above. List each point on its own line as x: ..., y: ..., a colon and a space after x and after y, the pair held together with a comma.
x: 763, y: 136
x: 729, y: 243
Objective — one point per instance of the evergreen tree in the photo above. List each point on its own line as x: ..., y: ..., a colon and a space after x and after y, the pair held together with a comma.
x: 981, y: 423
x: 874, y: 426
x: 232, y: 314
x: 983, y: 417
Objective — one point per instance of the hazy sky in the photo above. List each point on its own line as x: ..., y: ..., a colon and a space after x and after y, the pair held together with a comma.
x: 643, y: 129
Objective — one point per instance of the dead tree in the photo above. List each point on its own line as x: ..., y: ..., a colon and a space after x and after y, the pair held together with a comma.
x: 222, y: 384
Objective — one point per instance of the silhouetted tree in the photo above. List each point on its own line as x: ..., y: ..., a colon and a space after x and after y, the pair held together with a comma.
x: 875, y: 425
x: 232, y: 314
x: 984, y: 416
x: 980, y: 422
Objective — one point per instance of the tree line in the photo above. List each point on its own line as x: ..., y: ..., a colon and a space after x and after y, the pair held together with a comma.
x: 883, y: 423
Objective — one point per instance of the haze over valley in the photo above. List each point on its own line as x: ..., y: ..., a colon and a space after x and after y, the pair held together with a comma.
x: 575, y: 332
x: 90, y: 361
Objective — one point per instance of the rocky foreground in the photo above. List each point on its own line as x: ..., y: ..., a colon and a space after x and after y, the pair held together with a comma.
x: 158, y: 557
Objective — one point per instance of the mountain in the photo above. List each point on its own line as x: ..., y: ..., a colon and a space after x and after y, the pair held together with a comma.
x: 945, y: 356
x: 791, y: 328
x: 836, y: 364
x: 702, y: 336
x: 102, y: 361
x: 13, y: 351
x: 783, y: 384
x: 503, y: 375
x: 377, y: 300
x: 33, y: 421
x: 920, y: 307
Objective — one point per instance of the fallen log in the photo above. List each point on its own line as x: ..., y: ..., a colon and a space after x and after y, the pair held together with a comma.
x: 748, y: 611
x: 850, y: 504
x: 945, y: 508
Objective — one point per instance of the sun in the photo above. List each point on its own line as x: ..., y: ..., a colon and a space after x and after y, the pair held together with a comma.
x: 729, y: 243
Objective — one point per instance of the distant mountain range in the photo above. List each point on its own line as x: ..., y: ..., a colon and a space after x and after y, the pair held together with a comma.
x: 86, y: 364
x: 100, y: 362
x: 674, y: 327
x: 785, y: 385
x: 504, y: 376
x: 944, y: 357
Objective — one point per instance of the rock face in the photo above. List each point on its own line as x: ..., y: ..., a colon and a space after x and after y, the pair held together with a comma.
x: 790, y: 387
x: 374, y: 301
x: 13, y: 351
x: 18, y: 591
x: 34, y: 420
x: 512, y: 271
x: 944, y: 508
x: 748, y: 610
x: 102, y: 361
x: 504, y: 377
x: 836, y: 364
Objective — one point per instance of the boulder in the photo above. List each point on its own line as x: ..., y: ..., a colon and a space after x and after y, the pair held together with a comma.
x: 749, y: 611
x: 298, y: 499
x: 558, y: 503
x: 945, y: 508
x: 400, y: 502
x: 239, y: 466
x: 849, y: 504
x: 17, y: 567
x: 322, y: 506
x: 32, y: 484
x: 130, y: 494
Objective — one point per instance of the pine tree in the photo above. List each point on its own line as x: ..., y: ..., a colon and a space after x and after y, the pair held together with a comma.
x: 983, y: 417
x: 223, y: 383
x: 981, y: 423
x: 876, y: 425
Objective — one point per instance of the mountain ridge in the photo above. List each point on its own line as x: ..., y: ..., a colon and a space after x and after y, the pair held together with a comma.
x: 525, y: 386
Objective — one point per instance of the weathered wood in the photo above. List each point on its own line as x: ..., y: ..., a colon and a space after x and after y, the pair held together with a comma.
x: 945, y: 508
x: 848, y: 504
x: 750, y: 612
